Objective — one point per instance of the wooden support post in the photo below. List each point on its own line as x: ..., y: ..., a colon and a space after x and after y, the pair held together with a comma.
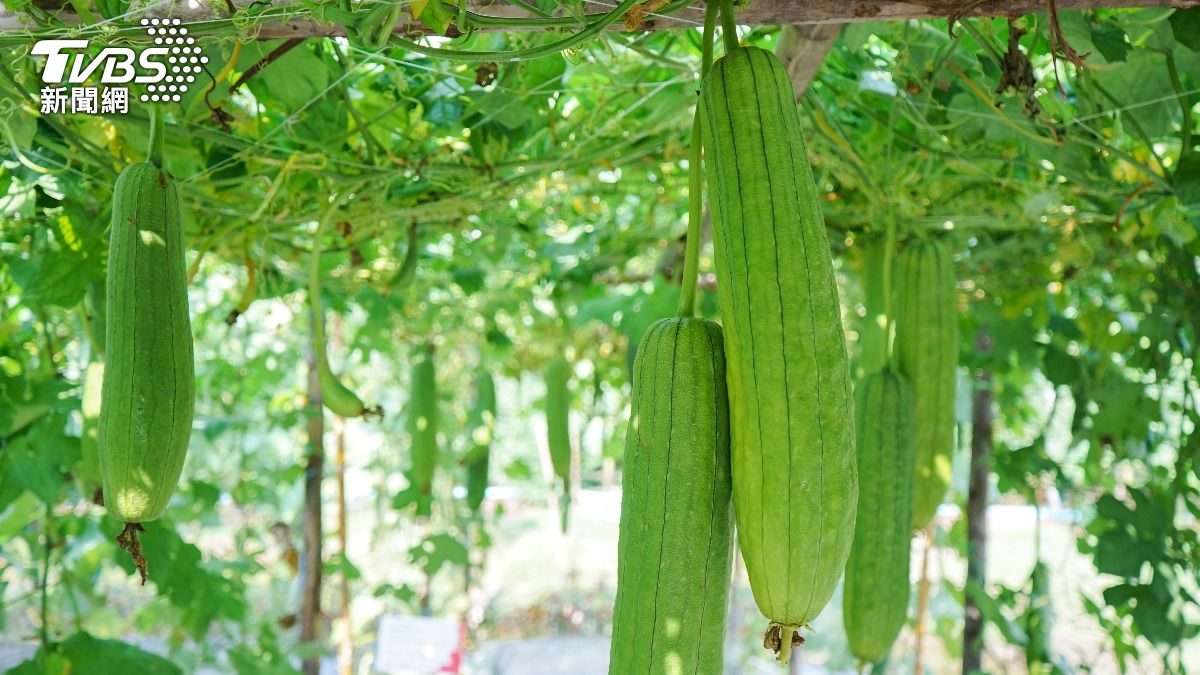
x: 310, y: 593
x: 977, y: 503
x: 803, y: 49
x: 346, y: 639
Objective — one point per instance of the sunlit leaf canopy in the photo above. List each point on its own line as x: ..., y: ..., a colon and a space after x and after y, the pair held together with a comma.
x: 526, y: 171
x: 550, y: 198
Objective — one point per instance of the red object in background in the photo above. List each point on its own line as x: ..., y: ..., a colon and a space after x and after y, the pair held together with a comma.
x: 454, y: 665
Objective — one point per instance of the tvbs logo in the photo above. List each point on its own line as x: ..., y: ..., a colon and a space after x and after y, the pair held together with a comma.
x: 167, y: 68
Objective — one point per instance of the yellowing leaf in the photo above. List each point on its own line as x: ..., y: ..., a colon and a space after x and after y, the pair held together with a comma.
x: 433, y: 15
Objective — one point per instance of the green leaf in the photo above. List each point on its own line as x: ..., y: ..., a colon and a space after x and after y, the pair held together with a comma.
x: 406, y: 498
x: 51, y: 277
x: 469, y: 279
x: 324, y: 119
x: 499, y: 106
x: 1186, y: 180
x: 404, y: 593
x: 444, y: 103
x: 295, y: 79
x: 1120, y: 594
x: 231, y: 165
x: 19, y: 513
x: 518, y: 470
x: 28, y: 401
x: 1117, y: 553
x: 1113, y: 509
x: 83, y: 653
x: 1103, y: 42
x: 338, y: 563
x: 43, y: 663
x: 855, y: 35
x: 1143, y: 78
x: 1110, y: 41
x: 201, y: 500
x: 112, y: 657
x: 1151, y: 522
x: 438, y: 550
x: 542, y: 77
x: 498, y: 338
x: 1125, y: 411
x: 647, y: 308
x: 1059, y: 367
x: 1159, y: 621
x: 1186, y: 25
x: 994, y: 614
x: 39, y: 460
x: 22, y: 127
x: 176, y: 568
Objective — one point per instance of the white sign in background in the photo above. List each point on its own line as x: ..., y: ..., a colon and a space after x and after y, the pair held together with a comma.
x: 417, y: 645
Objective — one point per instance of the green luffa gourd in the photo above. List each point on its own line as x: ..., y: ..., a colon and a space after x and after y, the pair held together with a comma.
x: 557, y: 417
x: 675, y: 544
x: 875, y: 594
x: 873, y: 327
x: 795, y: 485
x: 481, y: 425
x: 423, y: 427
x: 558, y: 427
x: 927, y: 356
x: 148, y: 392
x: 335, y: 395
x: 95, y: 317
x: 89, y: 438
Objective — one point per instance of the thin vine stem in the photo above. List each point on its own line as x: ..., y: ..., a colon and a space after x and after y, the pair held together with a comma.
x: 728, y: 27
x: 708, y: 46
x: 372, y: 145
x: 555, y: 47
x: 69, y: 582
x: 229, y: 228
x: 889, y: 253
x: 691, y: 259
x: 991, y: 105
x: 542, y: 18
x: 158, y: 134
x: 314, y: 277
x: 983, y: 41
x: 1185, y: 102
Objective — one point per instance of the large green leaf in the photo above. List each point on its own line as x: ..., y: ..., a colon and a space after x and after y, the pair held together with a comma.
x: 1143, y: 80
x: 83, y: 653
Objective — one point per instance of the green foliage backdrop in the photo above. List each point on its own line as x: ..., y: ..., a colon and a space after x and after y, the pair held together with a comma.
x: 550, y: 197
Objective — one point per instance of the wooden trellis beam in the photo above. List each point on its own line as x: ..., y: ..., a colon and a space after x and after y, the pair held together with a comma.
x: 758, y: 12
x: 769, y: 12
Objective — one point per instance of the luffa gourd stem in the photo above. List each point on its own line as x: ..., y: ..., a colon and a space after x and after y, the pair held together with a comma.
x: 691, y: 264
